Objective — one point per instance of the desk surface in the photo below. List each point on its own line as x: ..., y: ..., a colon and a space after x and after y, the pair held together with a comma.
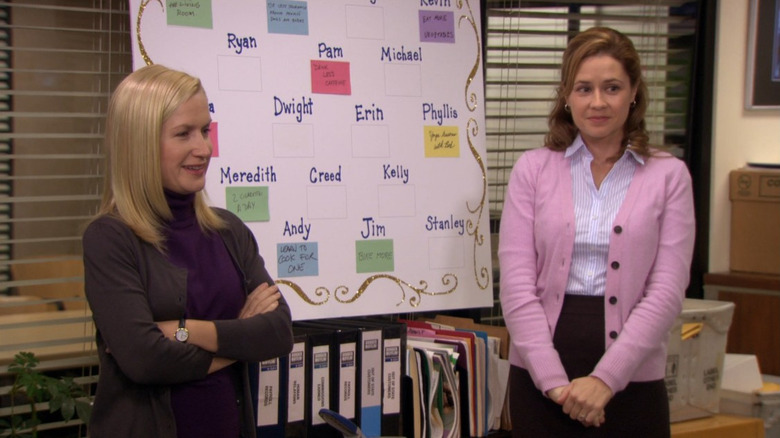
x: 719, y: 426
x: 49, y: 335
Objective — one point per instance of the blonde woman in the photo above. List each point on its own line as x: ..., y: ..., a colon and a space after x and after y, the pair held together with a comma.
x: 180, y: 296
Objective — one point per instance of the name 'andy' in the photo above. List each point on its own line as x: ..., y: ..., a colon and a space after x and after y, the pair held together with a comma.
x: 396, y: 172
x: 303, y: 229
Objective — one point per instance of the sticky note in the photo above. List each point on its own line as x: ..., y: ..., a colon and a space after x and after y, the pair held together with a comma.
x: 330, y: 77
x: 441, y: 141
x: 248, y: 203
x: 437, y: 26
x: 192, y: 13
x: 214, y: 137
x: 297, y: 259
x: 287, y: 17
x: 374, y: 255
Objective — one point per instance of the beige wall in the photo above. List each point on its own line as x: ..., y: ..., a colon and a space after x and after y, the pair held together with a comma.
x: 739, y: 135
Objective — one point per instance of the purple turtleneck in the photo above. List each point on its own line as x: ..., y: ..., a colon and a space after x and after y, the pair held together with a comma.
x: 208, y: 407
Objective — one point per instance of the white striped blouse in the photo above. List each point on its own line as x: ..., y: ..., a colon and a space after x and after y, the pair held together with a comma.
x: 594, y: 212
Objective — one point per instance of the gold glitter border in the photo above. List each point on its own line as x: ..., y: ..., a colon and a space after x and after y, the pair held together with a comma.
x: 141, y: 46
x: 481, y: 274
x: 343, y: 295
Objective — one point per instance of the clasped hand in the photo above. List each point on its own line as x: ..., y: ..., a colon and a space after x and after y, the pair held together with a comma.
x: 583, y: 399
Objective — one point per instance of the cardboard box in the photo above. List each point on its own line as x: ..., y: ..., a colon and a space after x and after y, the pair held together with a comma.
x: 694, y: 364
x: 755, y: 220
x: 758, y: 396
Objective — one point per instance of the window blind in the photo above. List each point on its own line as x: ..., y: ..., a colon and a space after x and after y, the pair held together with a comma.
x: 59, y: 61
x: 524, y: 44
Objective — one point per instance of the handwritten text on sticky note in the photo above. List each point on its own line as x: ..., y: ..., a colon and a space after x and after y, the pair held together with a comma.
x: 441, y: 141
x: 248, y: 203
x: 189, y: 13
x: 374, y: 256
x: 297, y: 259
x: 330, y: 77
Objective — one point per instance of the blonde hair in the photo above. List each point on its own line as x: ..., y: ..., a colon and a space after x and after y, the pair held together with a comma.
x: 592, y: 42
x: 133, y: 188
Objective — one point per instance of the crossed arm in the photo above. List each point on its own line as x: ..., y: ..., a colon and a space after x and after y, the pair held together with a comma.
x: 203, y: 333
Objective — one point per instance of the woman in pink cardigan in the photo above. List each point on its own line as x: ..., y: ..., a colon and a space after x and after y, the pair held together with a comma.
x: 595, y: 248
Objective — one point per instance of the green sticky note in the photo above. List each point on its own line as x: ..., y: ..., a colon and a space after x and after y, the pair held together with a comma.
x: 374, y: 256
x: 193, y: 13
x: 248, y: 203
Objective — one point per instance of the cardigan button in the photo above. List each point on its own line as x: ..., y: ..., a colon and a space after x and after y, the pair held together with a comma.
x: 615, y: 265
x: 618, y: 229
x: 613, y: 300
x: 613, y: 334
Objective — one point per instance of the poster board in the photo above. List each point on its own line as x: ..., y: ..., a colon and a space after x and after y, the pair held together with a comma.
x: 349, y: 136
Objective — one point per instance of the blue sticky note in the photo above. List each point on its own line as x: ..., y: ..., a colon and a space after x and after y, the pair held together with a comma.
x: 296, y: 259
x: 288, y: 17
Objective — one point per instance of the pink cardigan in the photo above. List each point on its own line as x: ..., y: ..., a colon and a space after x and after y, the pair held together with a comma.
x: 650, y: 255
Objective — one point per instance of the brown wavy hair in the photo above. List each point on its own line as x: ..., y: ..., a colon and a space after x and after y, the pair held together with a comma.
x: 592, y: 42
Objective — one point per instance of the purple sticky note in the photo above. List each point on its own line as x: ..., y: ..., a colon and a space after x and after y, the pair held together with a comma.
x: 437, y: 26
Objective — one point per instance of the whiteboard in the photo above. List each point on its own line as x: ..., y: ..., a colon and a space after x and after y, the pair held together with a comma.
x: 349, y: 136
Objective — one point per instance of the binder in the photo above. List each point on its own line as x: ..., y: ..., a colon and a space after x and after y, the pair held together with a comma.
x: 345, y: 382
x: 370, y: 367
x: 393, y: 368
x: 318, y: 377
x: 295, y: 426
x: 268, y: 380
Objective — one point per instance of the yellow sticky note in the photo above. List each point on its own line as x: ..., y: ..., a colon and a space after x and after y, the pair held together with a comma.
x: 441, y: 141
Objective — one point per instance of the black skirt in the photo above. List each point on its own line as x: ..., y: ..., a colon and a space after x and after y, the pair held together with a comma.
x: 640, y: 410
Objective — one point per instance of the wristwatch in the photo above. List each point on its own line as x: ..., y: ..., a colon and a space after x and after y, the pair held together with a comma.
x: 182, y: 334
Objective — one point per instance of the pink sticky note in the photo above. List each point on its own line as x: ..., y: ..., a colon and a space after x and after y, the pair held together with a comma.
x: 330, y: 77
x: 214, y: 137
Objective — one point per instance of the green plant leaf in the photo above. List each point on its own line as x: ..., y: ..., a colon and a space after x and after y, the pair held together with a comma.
x: 83, y: 410
x: 55, y: 403
x: 68, y: 408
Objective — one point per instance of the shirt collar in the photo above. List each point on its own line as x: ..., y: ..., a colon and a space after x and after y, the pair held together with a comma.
x: 579, y: 145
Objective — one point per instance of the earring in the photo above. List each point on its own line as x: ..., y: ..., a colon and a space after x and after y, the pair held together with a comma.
x: 566, y: 108
x: 633, y: 103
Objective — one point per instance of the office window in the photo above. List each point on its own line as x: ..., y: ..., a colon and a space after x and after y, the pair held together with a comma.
x: 59, y: 60
x: 524, y: 43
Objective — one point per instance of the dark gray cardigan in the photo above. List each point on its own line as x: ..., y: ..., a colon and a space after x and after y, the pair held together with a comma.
x: 129, y: 286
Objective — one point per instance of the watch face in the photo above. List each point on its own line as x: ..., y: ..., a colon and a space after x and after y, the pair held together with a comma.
x: 182, y: 334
